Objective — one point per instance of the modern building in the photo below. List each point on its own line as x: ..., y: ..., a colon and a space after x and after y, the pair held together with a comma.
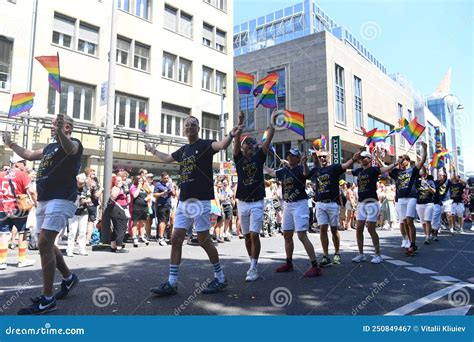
x: 324, y: 73
x: 174, y: 59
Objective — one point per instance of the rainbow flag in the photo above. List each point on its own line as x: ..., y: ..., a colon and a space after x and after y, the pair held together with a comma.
x: 264, y: 137
x: 413, y: 131
x: 143, y: 121
x: 437, y: 159
x: 320, y: 143
x: 293, y: 121
x: 268, y: 100
x: 51, y: 63
x: 265, y: 85
x: 374, y: 135
x: 21, y: 102
x: 439, y: 146
x: 244, y: 82
x: 402, y: 123
x: 215, y: 210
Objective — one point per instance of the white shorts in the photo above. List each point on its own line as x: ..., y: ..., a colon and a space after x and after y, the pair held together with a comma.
x: 457, y: 209
x: 436, y: 219
x: 447, y: 206
x: 425, y: 212
x: 368, y: 211
x: 54, y: 214
x: 407, y: 208
x: 327, y: 213
x: 251, y: 216
x: 193, y: 211
x: 296, y: 216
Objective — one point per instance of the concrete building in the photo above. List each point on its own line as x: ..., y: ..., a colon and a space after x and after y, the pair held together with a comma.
x: 174, y: 59
x: 329, y: 77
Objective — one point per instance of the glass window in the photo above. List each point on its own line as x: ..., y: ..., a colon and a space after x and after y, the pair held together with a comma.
x: 298, y: 22
x: 123, y: 50
x: 209, y: 126
x: 186, y: 24
x: 127, y: 110
x: 88, y: 38
x: 124, y: 5
x: 185, y: 70
x: 169, y: 64
x: 207, y: 35
x: 220, y: 82
x: 142, y: 8
x: 75, y: 100
x: 207, y: 78
x: 171, y: 18
x: 172, y: 119
x: 63, y: 30
x: 220, y: 40
x: 340, y: 96
x: 142, y: 56
x: 6, y: 49
x: 358, y: 103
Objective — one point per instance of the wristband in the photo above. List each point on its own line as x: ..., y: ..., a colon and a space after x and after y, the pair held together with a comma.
x: 231, y: 135
x: 10, y: 146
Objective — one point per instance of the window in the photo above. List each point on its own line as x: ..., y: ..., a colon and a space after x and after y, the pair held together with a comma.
x: 410, y: 115
x: 185, y: 70
x: 142, y: 56
x: 220, y: 82
x: 207, y: 78
x: 169, y: 64
x: 124, y: 5
x: 6, y: 49
x: 127, y: 110
x: 171, y: 18
x: 88, y: 38
x: 281, y: 88
x: 186, y: 24
x: 376, y: 123
x: 209, y: 126
x: 123, y: 50
x: 140, y: 8
x: 220, y: 40
x: 207, y: 34
x: 220, y: 4
x: 63, y: 30
x: 400, y: 116
x: 340, y: 106
x: 172, y: 118
x: 75, y: 100
x: 359, y: 119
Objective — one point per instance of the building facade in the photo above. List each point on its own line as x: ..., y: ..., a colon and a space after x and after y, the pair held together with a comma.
x: 173, y: 59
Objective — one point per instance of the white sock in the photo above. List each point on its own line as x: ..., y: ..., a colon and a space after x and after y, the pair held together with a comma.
x: 173, y: 275
x: 253, y: 263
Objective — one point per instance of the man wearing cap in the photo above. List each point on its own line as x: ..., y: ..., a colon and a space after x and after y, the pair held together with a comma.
x: 326, y: 178
x: 57, y: 192
x: 295, y: 210
x: 163, y: 193
x: 249, y: 161
x: 368, y: 208
x: 13, y: 183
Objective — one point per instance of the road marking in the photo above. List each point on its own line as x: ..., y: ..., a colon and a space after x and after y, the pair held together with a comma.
x: 399, y: 263
x: 461, y: 311
x: 24, y: 288
x: 421, y: 270
x: 446, y: 279
x: 410, y: 307
x: 385, y: 257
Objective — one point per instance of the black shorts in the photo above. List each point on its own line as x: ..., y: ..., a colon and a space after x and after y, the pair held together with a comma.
x: 234, y: 210
x: 227, y: 211
x: 7, y: 223
x: 163, y: 214
x: 92, y: 213
x: 140, y: 214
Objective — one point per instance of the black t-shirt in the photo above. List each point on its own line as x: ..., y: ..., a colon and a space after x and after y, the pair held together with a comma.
x: 327, y: 181
x: 457, y: 192
x: 405, y: 180
x: 56, y: 176
x: 367, y: 182
x: 250, y: 185
x: 140, y: 202
x: 424, y: 195
x: 195, y: 170
x: 293, y: 183
x: 442, y: 191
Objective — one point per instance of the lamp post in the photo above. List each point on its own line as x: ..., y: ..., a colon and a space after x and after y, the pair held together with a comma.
x: 222, y: 123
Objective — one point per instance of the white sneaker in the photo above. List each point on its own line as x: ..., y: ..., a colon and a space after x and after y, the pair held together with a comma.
x: 252, y: 275
x: 451, y: 230
x: 3, y: 266
x: 404, y: 241
x: 26, y: 263
x: 376, y: 259
x: 472, y: 228
x: 359, y: 258
x: 162, y: 242
x: 70, y: 254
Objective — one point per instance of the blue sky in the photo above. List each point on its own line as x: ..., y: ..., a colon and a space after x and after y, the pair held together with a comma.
x: 420, y: 39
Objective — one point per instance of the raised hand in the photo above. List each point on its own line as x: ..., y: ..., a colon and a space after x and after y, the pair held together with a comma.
x: 7, y: 139
x: 241, y: 118
x: 149, y: 147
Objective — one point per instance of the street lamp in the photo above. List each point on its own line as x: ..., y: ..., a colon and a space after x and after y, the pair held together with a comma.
x: 450, y: 107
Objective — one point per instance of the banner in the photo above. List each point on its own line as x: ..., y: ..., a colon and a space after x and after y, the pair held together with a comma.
x: 228, y: 168
x: 336, y: 150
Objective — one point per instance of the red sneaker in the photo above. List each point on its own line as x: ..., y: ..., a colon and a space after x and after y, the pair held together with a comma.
x: 314, y: 271
x: 285, y: 268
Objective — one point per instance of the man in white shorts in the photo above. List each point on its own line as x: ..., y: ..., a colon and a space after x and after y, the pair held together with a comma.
x: 457, y: 208
x: 57, y: 190
x: 249, y: 162
x: 368, y: 208
x: 425, y: 190
x: 295, y: 210
x: 196, y: 193
x: 326, y: 178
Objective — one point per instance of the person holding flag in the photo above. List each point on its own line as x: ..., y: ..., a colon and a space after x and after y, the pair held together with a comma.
x: 249, y: 162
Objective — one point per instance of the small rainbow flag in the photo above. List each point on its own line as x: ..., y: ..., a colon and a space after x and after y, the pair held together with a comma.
x: 437, y: 160
x: 413, y: 131
x: 51, y: 63
x: 268, y: 99
x: 264, y: 137
x: 244, y: 82
x: 266, y: 84
x: 320, y: 143
x: 439, y: 146
x: 402, y: 124
x: 21, y: 102
x: 293, y: 121
x: 143, y: 121
x: 215, y: 210
x: 374, y: 135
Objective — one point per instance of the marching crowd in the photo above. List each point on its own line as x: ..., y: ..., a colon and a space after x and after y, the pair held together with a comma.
x: 56, y: 203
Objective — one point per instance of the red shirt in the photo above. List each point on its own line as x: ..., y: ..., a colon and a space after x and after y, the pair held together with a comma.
x: 20, y: 181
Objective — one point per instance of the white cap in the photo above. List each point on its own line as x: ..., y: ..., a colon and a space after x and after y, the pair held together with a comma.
x: 16, y: 159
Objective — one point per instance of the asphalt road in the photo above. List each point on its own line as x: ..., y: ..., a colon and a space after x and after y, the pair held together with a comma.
x: 114, y: 284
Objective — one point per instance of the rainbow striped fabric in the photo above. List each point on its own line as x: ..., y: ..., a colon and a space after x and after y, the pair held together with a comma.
x: 437, y: 159
x: 244, y: 82
x: 413, y: 131
x: 51, y: 63
x: 402, y: 123
x: 320, y: 143
x: 143, y: 121
x: 266, y: 84
x: 293, y: 121
x: 264, y: 137
x: 374, y: 135
x: 21, y: 102
x: 268, y: 99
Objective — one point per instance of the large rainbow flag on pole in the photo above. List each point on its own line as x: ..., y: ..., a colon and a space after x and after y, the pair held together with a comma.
x: 293, y: 121
x: 21, y: 102
x: 51, y: 63
x: 413, y: 131
x: 374, y: 135
x: 143, y: 121
x: 244, y: 82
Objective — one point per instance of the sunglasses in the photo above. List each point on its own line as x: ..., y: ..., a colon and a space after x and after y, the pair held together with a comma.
x: 322, y: 157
